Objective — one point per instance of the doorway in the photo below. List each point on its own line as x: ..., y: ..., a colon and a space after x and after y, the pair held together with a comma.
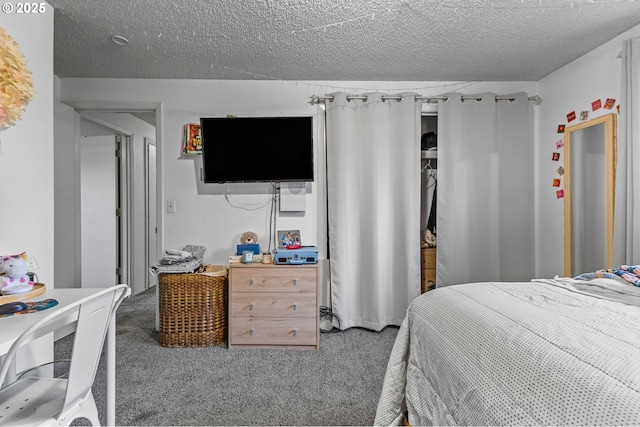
x: 136, y: 228
x: 104, y: 193
x: 428, y: 193
x: 100, y: 221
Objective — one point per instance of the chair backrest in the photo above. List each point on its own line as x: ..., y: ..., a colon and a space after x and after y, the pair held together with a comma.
x: 94, y: 314
x: 94, y: 317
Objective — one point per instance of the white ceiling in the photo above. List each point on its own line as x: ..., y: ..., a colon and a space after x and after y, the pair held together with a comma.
x: 369, y: 40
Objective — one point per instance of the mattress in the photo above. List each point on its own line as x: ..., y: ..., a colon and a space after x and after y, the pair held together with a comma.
x: 545, y: 352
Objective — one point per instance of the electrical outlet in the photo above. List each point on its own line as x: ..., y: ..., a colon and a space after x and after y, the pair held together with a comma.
x: 171, y: 206
x: 32, y: 264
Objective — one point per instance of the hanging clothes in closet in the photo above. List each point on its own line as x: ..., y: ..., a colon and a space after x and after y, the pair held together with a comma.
x: 428, y: 199
x: 429, y: 188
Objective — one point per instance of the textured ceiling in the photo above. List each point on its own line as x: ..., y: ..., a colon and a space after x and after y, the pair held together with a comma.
x: 377, y: 40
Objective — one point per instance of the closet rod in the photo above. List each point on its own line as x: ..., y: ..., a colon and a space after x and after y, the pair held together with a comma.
x: 429, y: 99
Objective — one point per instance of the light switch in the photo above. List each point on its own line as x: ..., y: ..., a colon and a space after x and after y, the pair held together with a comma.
x: 171, y: 206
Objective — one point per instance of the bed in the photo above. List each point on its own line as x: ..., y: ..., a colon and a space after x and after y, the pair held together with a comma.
x: 547, y: 352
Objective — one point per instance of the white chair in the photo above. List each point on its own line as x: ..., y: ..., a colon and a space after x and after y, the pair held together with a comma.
x: 47, y: 401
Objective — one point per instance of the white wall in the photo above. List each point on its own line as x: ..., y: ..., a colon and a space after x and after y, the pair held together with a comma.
x: 26, y: 155
x: 67, y: 190
x: 26, y: 161
x: 596, y: 75
x: 203, y: 214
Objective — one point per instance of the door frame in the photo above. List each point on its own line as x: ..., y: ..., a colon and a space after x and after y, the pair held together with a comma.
x: 124, y: 255
x: 151, y: 251
x: 134, y: 107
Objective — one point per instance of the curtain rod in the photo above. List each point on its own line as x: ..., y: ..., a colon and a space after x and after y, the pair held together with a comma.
x: 429, y: 99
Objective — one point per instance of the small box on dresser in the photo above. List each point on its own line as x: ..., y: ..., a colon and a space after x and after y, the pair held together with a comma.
x: 273, y: 306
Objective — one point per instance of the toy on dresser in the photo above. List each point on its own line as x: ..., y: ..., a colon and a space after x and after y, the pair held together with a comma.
x: 249, y: 238
x: 248, y: 243
x: 14, y: 279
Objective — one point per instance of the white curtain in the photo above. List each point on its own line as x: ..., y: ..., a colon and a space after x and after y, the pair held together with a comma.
x: 373, y: 190
x: 485, y: 212
x: 626, y: 243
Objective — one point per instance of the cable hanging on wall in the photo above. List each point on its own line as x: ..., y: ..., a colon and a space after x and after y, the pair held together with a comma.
x: 246, y: 206
x: 271, y: 202
x: 273, y: 217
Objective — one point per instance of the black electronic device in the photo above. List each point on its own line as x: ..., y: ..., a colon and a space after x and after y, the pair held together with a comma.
x: 13, y: 307
x: 257, y: 149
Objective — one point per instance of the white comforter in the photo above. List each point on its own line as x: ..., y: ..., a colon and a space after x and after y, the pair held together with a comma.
x: 546, y: 352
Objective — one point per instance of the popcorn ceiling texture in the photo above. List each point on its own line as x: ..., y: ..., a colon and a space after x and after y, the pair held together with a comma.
x: 377, y: 40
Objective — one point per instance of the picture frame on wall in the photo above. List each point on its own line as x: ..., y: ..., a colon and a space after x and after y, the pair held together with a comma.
x: 289, y: 238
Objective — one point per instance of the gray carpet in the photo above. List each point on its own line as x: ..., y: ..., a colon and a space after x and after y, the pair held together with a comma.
x: 336, y: 385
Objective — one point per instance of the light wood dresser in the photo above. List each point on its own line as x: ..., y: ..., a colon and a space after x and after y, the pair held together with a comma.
x: 428, y: 267
x: 273, y: 306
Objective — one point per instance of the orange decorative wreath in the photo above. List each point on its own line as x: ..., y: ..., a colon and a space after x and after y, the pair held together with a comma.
x: 16, y: 85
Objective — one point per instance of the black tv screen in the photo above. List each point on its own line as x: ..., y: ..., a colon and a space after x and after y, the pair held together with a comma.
x: 252, y: 149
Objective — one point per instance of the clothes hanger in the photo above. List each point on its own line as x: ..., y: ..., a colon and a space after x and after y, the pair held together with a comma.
x: 431, y: 174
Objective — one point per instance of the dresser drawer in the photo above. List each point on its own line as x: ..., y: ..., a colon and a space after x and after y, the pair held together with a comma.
x: 270, y: 304
x: 273, y: 331
x: 428, y: 257
x: 428, y: 279
x: 273, y: 279
x: 429, y: 274
x: 273, y: 306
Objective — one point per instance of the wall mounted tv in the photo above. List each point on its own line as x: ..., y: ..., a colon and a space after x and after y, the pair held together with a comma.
x: 254, y: 149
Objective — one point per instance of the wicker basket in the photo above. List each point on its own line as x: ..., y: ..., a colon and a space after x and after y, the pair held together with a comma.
x: 193, y: 308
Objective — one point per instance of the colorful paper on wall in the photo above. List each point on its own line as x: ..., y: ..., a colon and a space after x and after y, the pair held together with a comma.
x: 560, y: 194
x: 584, y: 115
x: 559, y: 144
x: 596, y: 105
x: 555, y: 157
x: 571, y: 116
x: 609, y: 103
x: 556, y: 182
x: 561, y: 128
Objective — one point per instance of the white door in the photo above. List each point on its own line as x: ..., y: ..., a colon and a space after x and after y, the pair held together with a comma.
x: 99, y: 192
x: 152, y: 226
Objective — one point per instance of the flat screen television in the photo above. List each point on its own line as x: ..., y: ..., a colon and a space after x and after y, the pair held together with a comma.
x: 255, y: 149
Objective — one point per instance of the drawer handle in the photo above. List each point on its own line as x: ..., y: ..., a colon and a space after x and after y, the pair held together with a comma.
x: 250, y: 332
x: 295, y: 332
x: 295, y: 307
x: 251, y: 281
x: 295, y: 282
x: 251, y: 307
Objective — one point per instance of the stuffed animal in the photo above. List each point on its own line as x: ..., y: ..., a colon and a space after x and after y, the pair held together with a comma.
x: 248, y: 238
x: 429, y: 239
x: 15, y: 279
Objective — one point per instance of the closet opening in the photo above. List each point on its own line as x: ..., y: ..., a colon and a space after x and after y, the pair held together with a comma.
x: 428, y: 196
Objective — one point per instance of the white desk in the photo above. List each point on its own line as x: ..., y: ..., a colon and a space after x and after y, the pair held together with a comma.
x: 11, y: 327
